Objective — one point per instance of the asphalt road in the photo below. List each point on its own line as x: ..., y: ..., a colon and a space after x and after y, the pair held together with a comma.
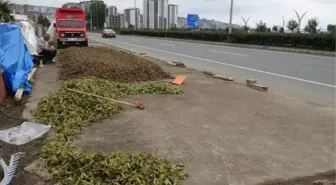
x: 305, y: 77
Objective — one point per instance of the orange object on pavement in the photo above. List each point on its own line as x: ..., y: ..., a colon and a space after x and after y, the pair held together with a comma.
x: 179, y: 80
x: 140, y: 106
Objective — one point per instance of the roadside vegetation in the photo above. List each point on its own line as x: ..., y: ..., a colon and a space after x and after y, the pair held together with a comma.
x: 5, y: 15
x: 70, y: 113
x: 283, y: 36
x: 317, y: 41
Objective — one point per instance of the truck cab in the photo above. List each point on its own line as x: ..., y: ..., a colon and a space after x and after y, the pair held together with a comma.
x: 70, y: 27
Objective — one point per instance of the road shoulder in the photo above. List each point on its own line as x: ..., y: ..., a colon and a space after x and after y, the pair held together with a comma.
x: 224, y: 132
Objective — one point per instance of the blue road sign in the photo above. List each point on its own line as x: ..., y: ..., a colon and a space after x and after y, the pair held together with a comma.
x: 192, y: 21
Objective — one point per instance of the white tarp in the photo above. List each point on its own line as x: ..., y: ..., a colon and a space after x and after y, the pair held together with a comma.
x: 28, y: 32
x: 52, y: 31
x: 24, y: 133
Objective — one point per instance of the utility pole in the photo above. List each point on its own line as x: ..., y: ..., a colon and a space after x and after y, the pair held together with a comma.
x: 105, y: 20
x: 136, y: 15
x: 97, y: 17
x: 91, y: 9
x: 230, y: 23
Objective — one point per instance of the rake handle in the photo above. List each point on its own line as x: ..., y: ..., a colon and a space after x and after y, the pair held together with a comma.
x: 102, y: 97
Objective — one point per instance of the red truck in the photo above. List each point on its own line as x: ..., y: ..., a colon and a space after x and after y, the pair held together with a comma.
x: 70, y: 27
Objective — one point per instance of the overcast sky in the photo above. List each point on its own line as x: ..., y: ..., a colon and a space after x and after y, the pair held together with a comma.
x: 269, y: 11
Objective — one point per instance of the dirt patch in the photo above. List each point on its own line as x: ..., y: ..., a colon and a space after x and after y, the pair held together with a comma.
x: 224, y: 132
x: 329, y: 177
x: 107, y: 64
x: 45, y: 82
x: 11, y: 116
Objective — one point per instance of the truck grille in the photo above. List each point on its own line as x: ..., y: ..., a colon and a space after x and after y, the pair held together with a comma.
x: 72, y: 34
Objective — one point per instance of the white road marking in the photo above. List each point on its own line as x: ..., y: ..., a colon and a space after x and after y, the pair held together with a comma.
x: 237, y: 54
x: 231, y: 65
x: 164, y: 44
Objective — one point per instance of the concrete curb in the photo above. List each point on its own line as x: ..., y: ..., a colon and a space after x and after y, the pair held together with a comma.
x: 272, y: 48
x: 222, y: 77
x: 217, y: 76
x: 252, y: 83
x: 208, y: 73
x: 177, y: 64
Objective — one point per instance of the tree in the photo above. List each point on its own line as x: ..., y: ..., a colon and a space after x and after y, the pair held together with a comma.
x: 331, y: 28
x: 292, y: 25
x: 5, y: 15
x: 312, y: 25
x: 246, y: 28
x: 281, y: 30
x: 131, y: 26
x: 98, y: 12
x: 261, y: 27
x: 275, y: 28
x: 43, y: 21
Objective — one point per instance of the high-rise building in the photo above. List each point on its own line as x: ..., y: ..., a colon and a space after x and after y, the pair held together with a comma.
x: 141, y: 21
x: 132, y: 18
x: 118, y: 21
x: 163, y: 14
x: 111, y: 11
x: 155, y: 15
x: 172, y: 16
x: 148, y: 14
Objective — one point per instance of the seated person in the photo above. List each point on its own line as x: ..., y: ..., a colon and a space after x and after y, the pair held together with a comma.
x: 43, y: 48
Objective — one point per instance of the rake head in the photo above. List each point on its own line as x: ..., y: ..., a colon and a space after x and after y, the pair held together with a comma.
x: 9, y: 171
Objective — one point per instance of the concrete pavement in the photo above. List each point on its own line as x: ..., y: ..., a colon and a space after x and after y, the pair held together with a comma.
x: 224, y: 133
x: 307, y: 77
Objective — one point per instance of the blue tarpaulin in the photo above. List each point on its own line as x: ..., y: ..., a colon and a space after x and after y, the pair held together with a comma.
x: 15, y: 59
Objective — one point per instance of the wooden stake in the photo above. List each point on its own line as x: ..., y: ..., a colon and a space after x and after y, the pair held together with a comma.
x: 19, y: 91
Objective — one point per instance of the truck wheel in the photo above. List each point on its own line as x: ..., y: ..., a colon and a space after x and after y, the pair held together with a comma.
x: 86, y: 44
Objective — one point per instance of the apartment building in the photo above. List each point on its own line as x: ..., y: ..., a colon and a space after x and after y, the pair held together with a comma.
x: 118, y: 21
x: 172, y: 16
x: 155, y: 15
x: 163, y: 14
x: 111, y: 11
x: 132, y: 18
x: 32, y: 11
x: 72, y: 5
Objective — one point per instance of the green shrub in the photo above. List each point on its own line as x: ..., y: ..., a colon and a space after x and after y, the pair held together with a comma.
x: 321, y: 41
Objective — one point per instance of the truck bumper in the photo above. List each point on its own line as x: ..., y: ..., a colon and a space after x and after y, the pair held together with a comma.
x: 66, y: 42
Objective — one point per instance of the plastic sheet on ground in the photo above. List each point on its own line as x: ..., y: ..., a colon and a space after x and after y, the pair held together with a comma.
x: 15, y: 59
x: 29, y: 36
x: 52, y: 30
x: 24, y: 133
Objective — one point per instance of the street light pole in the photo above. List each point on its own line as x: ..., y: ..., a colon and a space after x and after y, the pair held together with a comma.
x: 91, y: 9
x: 299, y: 19
x: 230, y: 23
x: 245, y: 21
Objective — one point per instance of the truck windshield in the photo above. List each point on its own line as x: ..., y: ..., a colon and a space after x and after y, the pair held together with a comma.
x: 71, y: 24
